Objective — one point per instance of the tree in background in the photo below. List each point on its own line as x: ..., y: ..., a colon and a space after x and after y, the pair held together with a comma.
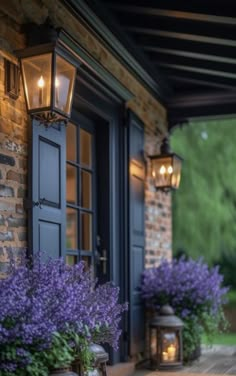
x: 204, y: 207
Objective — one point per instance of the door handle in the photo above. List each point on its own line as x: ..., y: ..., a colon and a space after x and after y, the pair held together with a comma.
x: 103, y: 259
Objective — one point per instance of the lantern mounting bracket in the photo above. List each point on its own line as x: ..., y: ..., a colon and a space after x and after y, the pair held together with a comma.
x: 49, y: 119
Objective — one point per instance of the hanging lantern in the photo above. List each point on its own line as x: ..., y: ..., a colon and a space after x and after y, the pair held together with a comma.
x: 165, y: 332
x: 166, y: 168
x: 48, y: 72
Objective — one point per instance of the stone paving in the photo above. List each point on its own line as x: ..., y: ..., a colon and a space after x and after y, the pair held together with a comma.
x: 215, y: 360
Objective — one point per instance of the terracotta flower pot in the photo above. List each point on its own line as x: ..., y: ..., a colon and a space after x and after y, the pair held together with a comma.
x: 62, y: 372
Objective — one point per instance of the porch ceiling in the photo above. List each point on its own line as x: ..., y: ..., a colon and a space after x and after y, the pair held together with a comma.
x: 192, y: 44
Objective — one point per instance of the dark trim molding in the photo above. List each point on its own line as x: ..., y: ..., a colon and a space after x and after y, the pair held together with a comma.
x: 85, y: 58
x: 137, y: 65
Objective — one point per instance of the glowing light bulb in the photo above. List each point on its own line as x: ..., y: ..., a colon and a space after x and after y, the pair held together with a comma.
x: 41, y: 82
x: 170, y: 170
x: 153, y: 174
x: 162, y: 170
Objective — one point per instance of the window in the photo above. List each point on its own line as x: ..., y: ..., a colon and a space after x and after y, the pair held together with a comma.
x: 80, y: 180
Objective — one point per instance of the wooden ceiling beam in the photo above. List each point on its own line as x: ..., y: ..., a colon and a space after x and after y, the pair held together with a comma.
x: 158, y: 52
x: 181, y: 36
x: 176, y: 25
x: 152, y: 41
x: 172, y: 14
x: 199, y: 75
x: 211, y: 9
x: 194, y: 64
x: 195, y: 83
x: 184, y: 108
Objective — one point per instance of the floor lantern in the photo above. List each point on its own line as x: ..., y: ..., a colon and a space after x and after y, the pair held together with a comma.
x: 166, y: 352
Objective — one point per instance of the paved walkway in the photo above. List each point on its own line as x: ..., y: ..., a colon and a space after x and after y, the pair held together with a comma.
x: 216, y: 360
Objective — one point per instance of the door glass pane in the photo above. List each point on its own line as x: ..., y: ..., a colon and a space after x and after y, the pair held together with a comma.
x: 71, y: 260
x: 86, y: 189
x: 71, y: 142
x: 85, y: 148
x: 86, y: 231
x: 71, y: 229
x: 71, y: 186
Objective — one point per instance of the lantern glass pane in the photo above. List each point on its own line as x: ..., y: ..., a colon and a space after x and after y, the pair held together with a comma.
x: 37, y: 80
x: 63, y: 85
x: 177, y: 163
x: 170, y: 347
x: 153, y: 343
x: 162, y: 171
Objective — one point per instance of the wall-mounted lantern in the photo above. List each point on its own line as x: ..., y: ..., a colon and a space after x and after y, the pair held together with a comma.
x: 166, y: 168
x: 48, y: 72
x: 165, y: 332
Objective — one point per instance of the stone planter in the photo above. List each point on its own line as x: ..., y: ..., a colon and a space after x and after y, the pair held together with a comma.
x: 63, y: 372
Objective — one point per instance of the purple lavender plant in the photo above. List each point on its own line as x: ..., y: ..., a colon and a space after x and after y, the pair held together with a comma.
x: 194, y: 291
x: 50, y: 298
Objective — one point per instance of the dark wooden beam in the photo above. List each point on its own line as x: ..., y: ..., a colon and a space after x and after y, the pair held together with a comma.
x: 199, y: 75
x: 184, y: 45
x: 181, y: 36
x: 225, y: 9
x: 158, y: 52
x: 225, y: 70
x: 176, y: 25
x: 194, y: 83
x: 217, y: 109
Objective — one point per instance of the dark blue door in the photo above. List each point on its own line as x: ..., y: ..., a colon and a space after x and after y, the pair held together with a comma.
x: 47, y: 193
x: 136, y: 236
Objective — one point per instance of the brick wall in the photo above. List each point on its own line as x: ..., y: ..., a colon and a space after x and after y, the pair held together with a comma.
x: 158, y: 213
x: 13, y: 129
x: 13, y: 171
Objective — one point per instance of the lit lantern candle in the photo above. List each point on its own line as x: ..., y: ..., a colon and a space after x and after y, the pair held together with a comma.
x: 171, y: 352
x: 41, y: 84
x: 165, y: 356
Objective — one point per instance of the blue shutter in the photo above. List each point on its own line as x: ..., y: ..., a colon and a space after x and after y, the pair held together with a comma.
x: 47, y: 195
x: 137, y: 234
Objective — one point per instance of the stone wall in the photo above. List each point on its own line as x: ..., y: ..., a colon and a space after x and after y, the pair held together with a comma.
x: 158, y: 213
x: 13, y: 128
x: 13, y: 172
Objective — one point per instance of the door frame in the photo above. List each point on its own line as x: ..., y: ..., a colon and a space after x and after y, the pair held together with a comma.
x: 102, y: 105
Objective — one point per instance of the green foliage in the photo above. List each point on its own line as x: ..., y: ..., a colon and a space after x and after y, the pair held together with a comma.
x: 221, y: 339
x: 66, y: 348
x: 202, y: 325
x: 191, y: 337
x: 204, y: 207
x: 231, y: 296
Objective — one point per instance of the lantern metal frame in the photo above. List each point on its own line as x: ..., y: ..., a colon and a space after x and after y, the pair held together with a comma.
x: 51, y: 113
x: 165, y: 153
x: 165, y: 322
